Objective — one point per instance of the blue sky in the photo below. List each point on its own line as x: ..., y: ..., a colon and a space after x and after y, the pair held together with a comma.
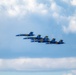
x: 55, y: 18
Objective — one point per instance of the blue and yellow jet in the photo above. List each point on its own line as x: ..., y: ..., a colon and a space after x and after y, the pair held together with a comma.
x: 34, y: 39
x: 30, y: 34
x: 60, y: 42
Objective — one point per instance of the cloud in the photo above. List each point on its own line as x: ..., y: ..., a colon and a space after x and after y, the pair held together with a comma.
x: 17, y: 7
x: 71, y: 2
x: 55, y: 9
x: 37, y: 64
x: 71, y: 26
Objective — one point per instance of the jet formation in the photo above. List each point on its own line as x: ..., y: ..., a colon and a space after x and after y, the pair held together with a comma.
x: 40, y: 39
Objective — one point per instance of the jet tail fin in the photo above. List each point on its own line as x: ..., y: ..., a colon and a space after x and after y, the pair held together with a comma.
x: 31, y: 33
x: 46, y: 39
x: 39, y: 36
x: 53, y: 40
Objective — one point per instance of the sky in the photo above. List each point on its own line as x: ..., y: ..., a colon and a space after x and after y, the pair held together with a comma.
x: 54, y: 18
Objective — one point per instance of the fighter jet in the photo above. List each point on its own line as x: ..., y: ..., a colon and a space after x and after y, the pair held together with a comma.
x: 43, y: 40
x: 53, y: 41
x: 60, y: 42
x: 30, y: 34
x: 34, y: 39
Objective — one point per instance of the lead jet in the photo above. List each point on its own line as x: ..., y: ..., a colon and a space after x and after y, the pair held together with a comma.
x: 30, y: 34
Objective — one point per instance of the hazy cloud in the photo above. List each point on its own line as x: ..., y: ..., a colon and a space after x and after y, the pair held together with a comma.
x: 37, y: 64
x: 17, y: 7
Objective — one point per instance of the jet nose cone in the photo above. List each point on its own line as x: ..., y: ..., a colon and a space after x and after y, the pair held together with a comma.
x: 17, y: 35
